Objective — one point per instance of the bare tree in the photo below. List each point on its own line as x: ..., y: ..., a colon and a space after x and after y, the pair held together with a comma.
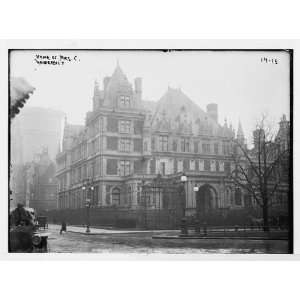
x: 261, y: 170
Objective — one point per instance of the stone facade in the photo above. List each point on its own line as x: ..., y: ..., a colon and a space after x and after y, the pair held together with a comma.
x: 125, y: 145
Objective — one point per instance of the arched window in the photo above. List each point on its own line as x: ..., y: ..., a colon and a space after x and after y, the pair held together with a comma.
x: 115, y: 196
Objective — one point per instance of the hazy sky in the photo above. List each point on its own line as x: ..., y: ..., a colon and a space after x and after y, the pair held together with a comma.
x: 241, y: 85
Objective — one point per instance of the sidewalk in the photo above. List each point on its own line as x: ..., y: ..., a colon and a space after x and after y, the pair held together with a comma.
x: 102, y: 231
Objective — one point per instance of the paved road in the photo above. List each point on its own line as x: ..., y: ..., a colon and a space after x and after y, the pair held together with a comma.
x: 121, y: 242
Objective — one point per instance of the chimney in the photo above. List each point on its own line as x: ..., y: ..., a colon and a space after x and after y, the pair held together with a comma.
x: 212, y: 111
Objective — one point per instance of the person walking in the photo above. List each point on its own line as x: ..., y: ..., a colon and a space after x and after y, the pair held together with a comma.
x: 63, y: 227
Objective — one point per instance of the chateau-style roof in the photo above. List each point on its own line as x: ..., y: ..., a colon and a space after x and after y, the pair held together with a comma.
x: 177, y: 111
x: 117, y: 82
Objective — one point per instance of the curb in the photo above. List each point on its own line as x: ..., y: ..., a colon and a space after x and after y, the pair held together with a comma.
x: 218, y: 238
x: 110, y: 233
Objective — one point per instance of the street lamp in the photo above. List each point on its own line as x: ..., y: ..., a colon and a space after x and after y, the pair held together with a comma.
x: 89, y: 187
x: 183, y: 180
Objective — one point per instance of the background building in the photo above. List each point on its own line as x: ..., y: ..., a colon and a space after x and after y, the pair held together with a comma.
x: 41, y: 184
x: 32, y: 130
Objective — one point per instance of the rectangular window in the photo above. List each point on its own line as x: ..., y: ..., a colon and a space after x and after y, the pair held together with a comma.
x: 152, y: 166
x: 124, y: 167
x: 192, y: 165
x: 206, y: 148
x: 206, y: 165
x: 162, y: 168
x: 153, y: 144
x: 185, y: 145
x: 163, y: 143
x: 137, y: 166
x: 125, y: 145
x: 112, y: 167
x: 216, y: 148
x: 124, y: 101
x: 175, y: 145
x: 196, y: 147
x: 180, y: 166
x: 125, y: 126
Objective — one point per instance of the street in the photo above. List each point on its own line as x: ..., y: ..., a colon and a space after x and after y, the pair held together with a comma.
x: 142, y: 242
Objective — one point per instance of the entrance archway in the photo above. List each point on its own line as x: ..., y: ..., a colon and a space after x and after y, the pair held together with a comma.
x: 206, y: 199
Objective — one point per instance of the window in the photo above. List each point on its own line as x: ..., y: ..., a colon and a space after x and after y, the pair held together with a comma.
x: 206, y: 165
x: 125, y: 145
x: 216, y: 148
x: 192, y: 164
x: 163, y: 143
x: 125, y: 126
x: 115, y: 196
x: 223, y: 148
x: 206, y: 148
x: 175, y: 145
x: 162, y: 168
x: 124, y: 167
x: 112, y: 167
x: 153, y: 144
x: 185, y: 145
x: 124, y: 101
x: 196, y: 147
x: 180, y: 166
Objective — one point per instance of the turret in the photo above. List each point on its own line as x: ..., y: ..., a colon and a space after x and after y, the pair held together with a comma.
x: 240, y: 134
x: 96, y: 97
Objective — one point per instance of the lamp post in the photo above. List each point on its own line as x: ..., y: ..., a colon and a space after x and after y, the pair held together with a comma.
x: 88, y: 186
x: 183, y: 180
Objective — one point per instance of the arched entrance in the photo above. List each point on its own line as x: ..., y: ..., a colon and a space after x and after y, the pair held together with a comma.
x: 206, y: 199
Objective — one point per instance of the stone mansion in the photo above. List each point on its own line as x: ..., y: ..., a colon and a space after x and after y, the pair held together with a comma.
x: 126, y: 142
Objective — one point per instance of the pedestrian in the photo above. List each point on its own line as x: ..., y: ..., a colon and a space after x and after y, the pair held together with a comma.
x: 63, y: 227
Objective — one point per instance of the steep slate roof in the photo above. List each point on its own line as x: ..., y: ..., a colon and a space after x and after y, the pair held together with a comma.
x: 117, y: 82
x: 174, y: 105
x: 118, y: 78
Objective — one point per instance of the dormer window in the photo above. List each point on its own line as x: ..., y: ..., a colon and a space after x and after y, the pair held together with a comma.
x: 124, y: 101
